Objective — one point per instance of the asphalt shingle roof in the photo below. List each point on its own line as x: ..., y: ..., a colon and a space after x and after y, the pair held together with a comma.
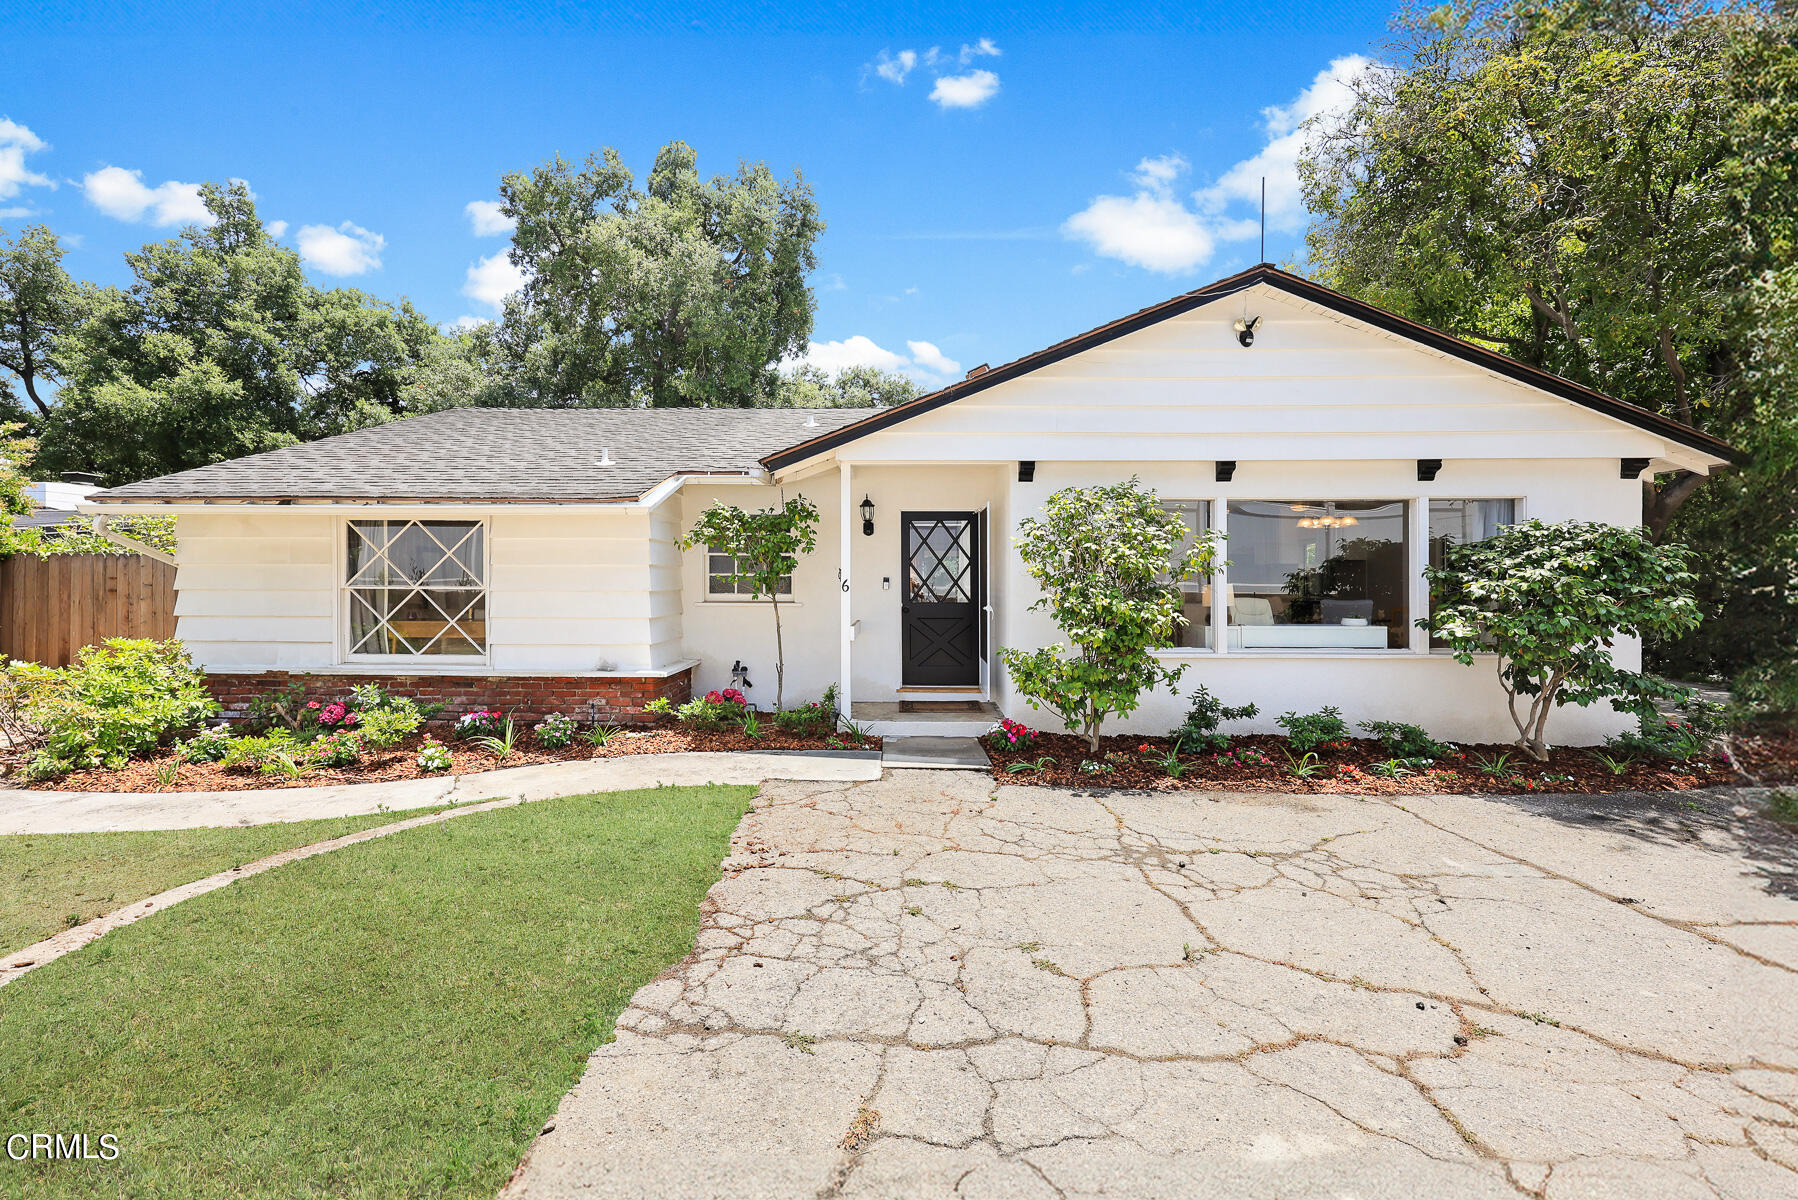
x: 505, y: 454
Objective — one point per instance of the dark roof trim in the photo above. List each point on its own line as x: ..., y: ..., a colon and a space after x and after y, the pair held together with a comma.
x: 1303, y: 289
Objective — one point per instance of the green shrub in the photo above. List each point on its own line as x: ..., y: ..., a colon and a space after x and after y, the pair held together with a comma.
x: 258, y: 750
x: 116, y: 700
x: 1204, y: 714
x: 701, y: 714
x: 1406, y: 741
x: 1661, y: 737
x: 1308, y: 732
x: 1547, y: 603
x: 1782, y: 805
x: 810, y: 720
x: 1769, y: 690
x: 208, y: 745
x: 371, y: 697
x: 389, y: 724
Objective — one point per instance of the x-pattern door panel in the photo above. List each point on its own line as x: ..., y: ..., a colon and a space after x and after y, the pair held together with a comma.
x: 942, y: 599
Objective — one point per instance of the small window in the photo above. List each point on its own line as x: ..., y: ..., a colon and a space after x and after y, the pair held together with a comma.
x: 1463, y: 521
x: 720, y: 572
x: 416, y: 588
x: 1319, y: 575
x: 1195, y: 592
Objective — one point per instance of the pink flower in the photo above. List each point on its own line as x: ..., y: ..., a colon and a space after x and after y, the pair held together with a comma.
x: 312, y: 704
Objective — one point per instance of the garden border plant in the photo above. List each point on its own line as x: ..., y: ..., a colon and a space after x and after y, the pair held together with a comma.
x: 1104, y: 558
x: 1548, y: 602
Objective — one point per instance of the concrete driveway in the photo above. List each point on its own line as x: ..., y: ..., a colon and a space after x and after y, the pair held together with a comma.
x: 925, y: 986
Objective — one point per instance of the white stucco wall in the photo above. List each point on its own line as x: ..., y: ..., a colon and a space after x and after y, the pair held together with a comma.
x: 718, y: 631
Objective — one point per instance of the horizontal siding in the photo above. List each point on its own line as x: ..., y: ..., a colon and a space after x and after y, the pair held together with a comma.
x: 1313, y: 388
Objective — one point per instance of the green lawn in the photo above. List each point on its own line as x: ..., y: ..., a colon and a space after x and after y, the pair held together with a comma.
x: 49, y: 882
x: 394, y: 1019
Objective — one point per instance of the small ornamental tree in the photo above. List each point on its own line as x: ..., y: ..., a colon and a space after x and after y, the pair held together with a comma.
x: 1549, y: 601
x: 764, y: 546
x: 1104, y: 557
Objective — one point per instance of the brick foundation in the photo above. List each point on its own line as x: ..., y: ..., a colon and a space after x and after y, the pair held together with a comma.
x: 617, y: 700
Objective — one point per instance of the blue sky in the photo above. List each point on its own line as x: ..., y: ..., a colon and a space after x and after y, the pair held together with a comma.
x: 1035, y: 176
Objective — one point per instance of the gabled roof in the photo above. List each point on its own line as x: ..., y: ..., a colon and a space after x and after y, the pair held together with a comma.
x: 1303, y: 289
x: 505, y: 455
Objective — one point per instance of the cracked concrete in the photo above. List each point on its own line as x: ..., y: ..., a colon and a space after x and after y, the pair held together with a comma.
x: 928, y: 986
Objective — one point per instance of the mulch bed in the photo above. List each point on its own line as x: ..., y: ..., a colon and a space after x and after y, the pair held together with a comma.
x: 401, y: 762
x: 1769, y: 755
x: 1258, y: 763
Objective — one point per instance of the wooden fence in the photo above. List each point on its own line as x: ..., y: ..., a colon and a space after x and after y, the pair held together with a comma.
x: 51, y: 607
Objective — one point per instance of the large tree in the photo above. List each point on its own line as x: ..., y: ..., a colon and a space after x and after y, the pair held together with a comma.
x: 1606, y: 189
x: 1548, y: 178
x: 39, y: 304
x: 220, y: 347
x: 689, y: 291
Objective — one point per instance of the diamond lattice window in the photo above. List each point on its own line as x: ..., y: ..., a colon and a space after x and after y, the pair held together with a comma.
x: 417, y: 588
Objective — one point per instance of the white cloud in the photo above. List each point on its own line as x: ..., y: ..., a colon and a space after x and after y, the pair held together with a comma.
x: 464, y: 323
x: 965, y: 91
x: 1157, y: 230
x: 895, y: 67
x: 492, y: 279
x: 1151, y: 229
x: 348, y: 249
x: 1329, y: 95
x: 16, y: 142
x: 123, y: 195
x: 970, y: 89
x: 983, y: 47
x: 17, y: 210
x: 925, y: 364
x: 486, y: 218
x: 927, y: 356
x: 275, y: 228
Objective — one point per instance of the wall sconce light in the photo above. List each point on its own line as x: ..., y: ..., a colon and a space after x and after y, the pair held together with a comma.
x: 867, y: 516
x: 1245, y: 330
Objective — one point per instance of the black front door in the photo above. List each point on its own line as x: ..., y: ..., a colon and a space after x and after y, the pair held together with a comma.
x: 941, y: 610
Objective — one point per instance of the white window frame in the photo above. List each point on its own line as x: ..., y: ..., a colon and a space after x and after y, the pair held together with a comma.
x: 415, y: 664
x: 708, y: 596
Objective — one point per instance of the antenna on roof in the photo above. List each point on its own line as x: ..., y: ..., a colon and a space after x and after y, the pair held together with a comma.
x: 1264, y: 218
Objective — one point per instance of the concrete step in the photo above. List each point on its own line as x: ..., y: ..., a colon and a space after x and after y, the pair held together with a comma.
x: 934, y: 754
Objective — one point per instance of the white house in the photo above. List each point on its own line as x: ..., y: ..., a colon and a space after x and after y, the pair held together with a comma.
x: 527, y: 558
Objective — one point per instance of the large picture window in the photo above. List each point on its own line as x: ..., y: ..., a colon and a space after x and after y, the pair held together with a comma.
x: 416, y: 588
x: 1323, y: 575
x: 1195, y: 593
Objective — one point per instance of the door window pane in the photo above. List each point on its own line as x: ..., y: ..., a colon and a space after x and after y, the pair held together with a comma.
x: 1327, y: 575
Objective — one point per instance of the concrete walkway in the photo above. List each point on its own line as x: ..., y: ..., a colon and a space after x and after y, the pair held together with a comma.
x: 102, y: 812
x: 927, y: 986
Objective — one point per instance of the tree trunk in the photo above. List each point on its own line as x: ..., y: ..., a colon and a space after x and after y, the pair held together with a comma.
x: 780, y: 660
x: 1659, y: 503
